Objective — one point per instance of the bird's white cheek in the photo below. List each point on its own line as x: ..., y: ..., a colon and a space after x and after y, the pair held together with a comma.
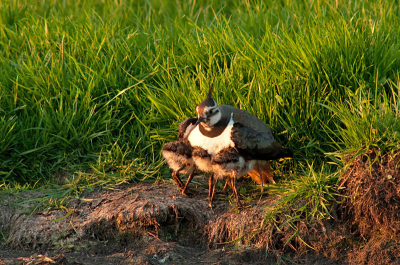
x: 215, y: 119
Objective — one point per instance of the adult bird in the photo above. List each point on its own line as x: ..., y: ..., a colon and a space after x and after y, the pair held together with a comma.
x: 223, y: 126
x: 182, y: 158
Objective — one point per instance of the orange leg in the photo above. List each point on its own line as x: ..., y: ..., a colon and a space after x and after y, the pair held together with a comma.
x: 183, y: 191
x: 213, y: 193
x: 227, y: 183
x: 175, y: 176
x: 210, y: 182
x: 261, y: 178
x: 235, y: 192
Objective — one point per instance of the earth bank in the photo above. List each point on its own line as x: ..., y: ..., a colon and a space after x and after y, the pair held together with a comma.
x: 154, y: 224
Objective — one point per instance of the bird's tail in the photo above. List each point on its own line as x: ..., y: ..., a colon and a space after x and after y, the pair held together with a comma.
x: 283, y: 153
x: 288, y: 152
x: 266, y: 172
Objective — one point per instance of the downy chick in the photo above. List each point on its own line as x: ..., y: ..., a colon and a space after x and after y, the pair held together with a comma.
x: 178, y: 154
x: 229, y: 164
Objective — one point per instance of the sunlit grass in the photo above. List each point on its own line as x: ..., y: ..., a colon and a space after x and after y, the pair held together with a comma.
x: 90, y: 91
x: 369, y: 120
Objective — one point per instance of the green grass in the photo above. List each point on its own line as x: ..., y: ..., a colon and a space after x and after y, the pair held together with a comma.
x: 90, y: 91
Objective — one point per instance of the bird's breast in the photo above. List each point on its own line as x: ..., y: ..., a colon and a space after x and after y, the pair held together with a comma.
x: 212, y: 144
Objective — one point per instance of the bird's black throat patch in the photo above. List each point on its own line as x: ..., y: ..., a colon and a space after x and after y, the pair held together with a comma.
x: 216, y: 130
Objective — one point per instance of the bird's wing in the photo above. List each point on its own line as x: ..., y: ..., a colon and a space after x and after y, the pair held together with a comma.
x: 182, y: 147
x: 200, y: 152
x: 227, y: 155
x: 246, y: 118
x: 253, y: 144
x: 186, y: 127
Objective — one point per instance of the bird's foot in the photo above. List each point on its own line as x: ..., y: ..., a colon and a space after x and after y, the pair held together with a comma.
x: 186, y: 192
x: 211, y: 207
x: 239, y: 204
x: 224, y: 191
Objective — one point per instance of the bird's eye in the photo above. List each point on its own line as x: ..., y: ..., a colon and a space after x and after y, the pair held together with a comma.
x: 214, y: 111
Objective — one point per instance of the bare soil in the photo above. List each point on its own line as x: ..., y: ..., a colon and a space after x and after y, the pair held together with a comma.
x: 154, y: 224
x: 371, y: 208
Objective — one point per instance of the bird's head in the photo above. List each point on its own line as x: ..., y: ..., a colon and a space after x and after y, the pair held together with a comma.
x: 208, y: 111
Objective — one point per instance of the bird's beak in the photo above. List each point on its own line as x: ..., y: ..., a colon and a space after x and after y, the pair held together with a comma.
x: 201, y: 119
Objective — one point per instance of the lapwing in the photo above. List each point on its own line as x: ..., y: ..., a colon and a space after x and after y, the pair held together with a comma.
x: 178, y: 154
x: 202, y: 160
x: 182, y: 158
x: 223, y: 126
x: 229, y: 164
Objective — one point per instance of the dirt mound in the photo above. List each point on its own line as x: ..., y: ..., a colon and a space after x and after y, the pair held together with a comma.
x: 370, y: 211
x: 127, y: 212
x: 146, y: 224
x: 154, y: 224
x: 372, y: 193
x: 244, y: 228
x: 364, y: 228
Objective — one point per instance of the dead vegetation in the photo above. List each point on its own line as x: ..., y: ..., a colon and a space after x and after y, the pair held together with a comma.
x: 371, y: 208
x: 130, y: 211
x: 156, y: 221
x: 364, y: 228
x: 163, y: 226
x: 372, y: 193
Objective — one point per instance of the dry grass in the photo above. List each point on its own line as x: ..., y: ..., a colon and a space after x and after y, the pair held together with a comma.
x: 372, y: 193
